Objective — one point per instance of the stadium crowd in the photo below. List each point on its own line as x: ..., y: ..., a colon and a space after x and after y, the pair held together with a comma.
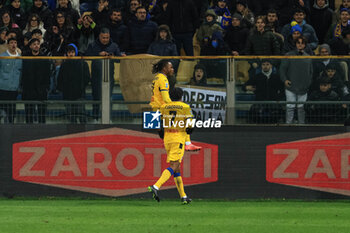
x: 171, y: 28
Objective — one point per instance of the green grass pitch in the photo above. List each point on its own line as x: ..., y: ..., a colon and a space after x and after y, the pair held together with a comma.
x: 109, y: 215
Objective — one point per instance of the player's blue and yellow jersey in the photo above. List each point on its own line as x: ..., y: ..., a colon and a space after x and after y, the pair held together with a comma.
x: 174, y: 116
x: 160, y: 84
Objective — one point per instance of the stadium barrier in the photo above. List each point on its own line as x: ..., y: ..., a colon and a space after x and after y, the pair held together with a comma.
x: 237, y: 162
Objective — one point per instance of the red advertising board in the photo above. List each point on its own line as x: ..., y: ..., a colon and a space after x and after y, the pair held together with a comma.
x: 112, y: 162
x: 318, y: 163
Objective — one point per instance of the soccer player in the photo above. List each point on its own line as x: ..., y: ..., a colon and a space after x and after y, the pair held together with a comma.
x: 174, y: 115
x: 160, y: 85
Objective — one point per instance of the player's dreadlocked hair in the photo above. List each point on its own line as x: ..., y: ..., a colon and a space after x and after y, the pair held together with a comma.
x: 159, y: 66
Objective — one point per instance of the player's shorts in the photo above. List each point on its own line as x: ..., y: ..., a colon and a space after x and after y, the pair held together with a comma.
x: 175, y: 151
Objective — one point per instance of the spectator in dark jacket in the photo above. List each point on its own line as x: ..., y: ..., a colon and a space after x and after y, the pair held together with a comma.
x: 183, y: 21
x: 73, y: 78
x: 60, y: 34
x: 247, y: 15
x: 35, y: 82
x: 321, y: 18
x: 272, y: 20
x: 323, y: 113
x: 101, y: 14
x: 287, y: 8
x: 119, y: 31
x: 103, y: 46
x: 131, y: 10
x: 236, y: 36
x: 164, y: 44
x: 141, y: 32
x: 40, y: 8
x: 267, y: 86
x: 158, y: 13
x: 66, y: 7
x: 17, y: 13
x: 261, y: 41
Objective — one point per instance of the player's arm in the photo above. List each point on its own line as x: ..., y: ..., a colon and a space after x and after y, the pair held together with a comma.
x: 164, y: 90
x: 165, y: 96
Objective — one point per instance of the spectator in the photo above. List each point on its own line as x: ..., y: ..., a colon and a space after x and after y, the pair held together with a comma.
x: 40, y: 8
x: 215, y: 46
x: 222, y: 14
x: 102, y: 12
x: 73, y: 78
x: 130, y: 13
x: 35, y: 83
x: 103, y: 46
x: 87, y: 31
x: 336, y: 13
x: 247, y: 15
x: 119, y: 31
x: 17, y: 13
x: 65, y: 6
x: 158, y: 13
x: 142, y: 32
x: 319, y: 65
x: 236, y: 35
x: 44, y: 46
x: 3, y: 38
x: 164, y: 43
x: 183, y: 21
x: 323, y: 113
x: 199, y: 77
x: 331, y: 4
x: 297, y: 76
x: 209, y: 26
x: 336, y: 80
x: 321, y: 18
x: 25, y: 47
x: 34, y: 22
x: 289, y: 43
x: 10, y: 78
x: 60, y: 34
x: 267, y: 86
x: 341, y: 45
x: 7, y: 21
x: 261, y: 41
x: 87, y: 6
x: 335, y: 30
x: 287, y: 8
x: 272, y: 20
x: 308, y: 31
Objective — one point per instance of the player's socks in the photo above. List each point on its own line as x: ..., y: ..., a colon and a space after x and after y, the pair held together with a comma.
x: 179, y: 184
x: 167, y: 173
x: 188, y: 140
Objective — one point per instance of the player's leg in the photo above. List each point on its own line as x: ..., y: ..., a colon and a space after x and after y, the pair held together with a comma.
x: 173, y: 158
x: 180, y: 187
x: 189, y: 146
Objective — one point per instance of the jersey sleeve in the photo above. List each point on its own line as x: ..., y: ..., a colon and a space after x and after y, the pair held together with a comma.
x: 164, y: 84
